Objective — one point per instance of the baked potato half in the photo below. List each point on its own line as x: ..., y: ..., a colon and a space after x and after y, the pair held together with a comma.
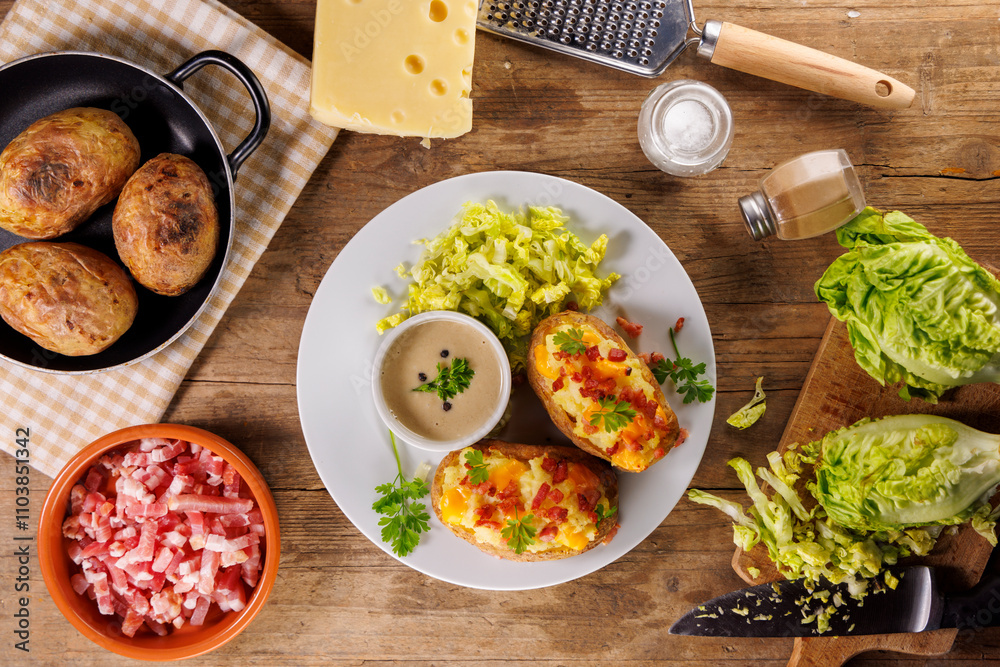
x: 566, y: 499
x: 165, y: 224
x: 599, y: 393
x: 66, y: 297
x: 62, y: 168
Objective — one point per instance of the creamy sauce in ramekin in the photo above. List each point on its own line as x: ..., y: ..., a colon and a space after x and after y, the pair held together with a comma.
x: 419, y: 351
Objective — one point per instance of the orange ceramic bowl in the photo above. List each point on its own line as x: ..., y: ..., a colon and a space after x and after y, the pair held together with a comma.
x: 82, y: 612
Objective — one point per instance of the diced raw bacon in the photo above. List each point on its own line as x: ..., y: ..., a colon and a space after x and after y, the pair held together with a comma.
x: 250, y: 569
x: 72, y: 529
x: 94, y: 480
x: 166, y: 605
x: 137, y: 459
x: 95, y: 549
x: 76, y: 496
x: 179, y: 484
x: 200, y: 611
x: 234, y: 520
x: 93, y: 501
x: 229, y: 558
x: 103, y: 592
x: 221, y: 544
x: 214, y: 504
x: 153, y: 510
x: 160, y: 533
x: 209, y: 566
x: 79, y: 583
x: 167, y: 452
x: 132, y: 622
x: 163, y: 558
x: 157, y: 627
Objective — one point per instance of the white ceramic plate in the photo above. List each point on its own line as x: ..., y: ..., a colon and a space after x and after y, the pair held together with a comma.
x: 350, y: 446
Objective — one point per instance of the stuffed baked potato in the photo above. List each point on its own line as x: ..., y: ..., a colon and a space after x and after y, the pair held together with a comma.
x: 62, y: 168
x: 66, y: 297
x: 166, y: 226
x: 599, y: 393
x: 565, y: 499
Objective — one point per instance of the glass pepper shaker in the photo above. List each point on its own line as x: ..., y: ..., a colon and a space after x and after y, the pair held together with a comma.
x: 804, y: 197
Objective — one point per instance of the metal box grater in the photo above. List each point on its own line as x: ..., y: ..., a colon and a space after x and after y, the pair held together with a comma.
x: 638, y: 36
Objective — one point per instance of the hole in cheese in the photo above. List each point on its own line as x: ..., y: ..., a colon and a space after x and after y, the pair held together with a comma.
x: 439, y: 87
x: 397, y: 116
x: 461, y: 36
x: 439, y: 11
x: 414, y: 64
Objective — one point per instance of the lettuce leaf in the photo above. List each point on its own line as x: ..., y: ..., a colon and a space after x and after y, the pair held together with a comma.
x: 509, y: 270
x: 917, y: 308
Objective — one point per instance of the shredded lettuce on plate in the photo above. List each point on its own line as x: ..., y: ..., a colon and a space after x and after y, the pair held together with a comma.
x: 509, y: 270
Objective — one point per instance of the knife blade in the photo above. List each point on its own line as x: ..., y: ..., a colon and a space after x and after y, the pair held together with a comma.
x: 790, y: 609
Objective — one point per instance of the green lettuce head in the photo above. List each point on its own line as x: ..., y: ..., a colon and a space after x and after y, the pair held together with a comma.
x: 917, y: 308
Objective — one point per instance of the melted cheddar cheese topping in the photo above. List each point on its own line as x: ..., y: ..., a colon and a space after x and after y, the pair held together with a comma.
x: 578, y: 381
x: 562, y: 513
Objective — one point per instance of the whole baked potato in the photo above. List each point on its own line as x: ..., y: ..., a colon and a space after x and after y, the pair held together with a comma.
x: 66, y: 297
x: 599, y: 393
x: 57, y: 172
x: 565, y: 498
x: 165, y: 224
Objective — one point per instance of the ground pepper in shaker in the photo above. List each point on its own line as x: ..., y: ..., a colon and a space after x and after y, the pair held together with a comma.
x: 685, y: 127
x: 804, y: 197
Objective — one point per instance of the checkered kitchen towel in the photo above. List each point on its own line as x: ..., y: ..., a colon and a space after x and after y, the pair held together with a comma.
x: 66, y: 412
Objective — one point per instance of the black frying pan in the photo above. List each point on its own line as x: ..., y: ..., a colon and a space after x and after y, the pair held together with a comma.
x: 164, y: 120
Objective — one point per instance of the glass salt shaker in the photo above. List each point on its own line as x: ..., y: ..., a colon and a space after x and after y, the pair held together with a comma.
x: 804, y: 197
x: 685, y: 127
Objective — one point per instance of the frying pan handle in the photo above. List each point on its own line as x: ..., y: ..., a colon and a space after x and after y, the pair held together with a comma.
x: 250, y: 81
x: 777, y: 59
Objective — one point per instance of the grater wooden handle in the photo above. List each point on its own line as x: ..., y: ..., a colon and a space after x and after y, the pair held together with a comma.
x: 778, y: 59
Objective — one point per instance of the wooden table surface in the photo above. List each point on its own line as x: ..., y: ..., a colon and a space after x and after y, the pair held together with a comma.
x: 341, y: 600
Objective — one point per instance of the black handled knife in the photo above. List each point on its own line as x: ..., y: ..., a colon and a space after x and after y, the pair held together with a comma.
x: 789, y: 609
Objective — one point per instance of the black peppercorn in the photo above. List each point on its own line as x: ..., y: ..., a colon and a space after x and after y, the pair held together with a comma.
x: 446, y: 406
x: 422, y: 377
x: 444, y: 354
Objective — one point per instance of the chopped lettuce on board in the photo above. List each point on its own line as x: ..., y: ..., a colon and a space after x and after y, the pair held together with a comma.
x: 509, y: 270
x: 846, y: 506
x: 748, y: 415
x: 917, y: 308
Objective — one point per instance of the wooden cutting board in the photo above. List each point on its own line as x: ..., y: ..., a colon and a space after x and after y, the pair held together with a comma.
x: 837, y: 393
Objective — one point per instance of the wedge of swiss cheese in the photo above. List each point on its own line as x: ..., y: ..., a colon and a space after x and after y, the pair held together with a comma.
x: 400, y: 67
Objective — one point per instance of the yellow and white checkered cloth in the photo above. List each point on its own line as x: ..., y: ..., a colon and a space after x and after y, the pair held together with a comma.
x: 66, y: 412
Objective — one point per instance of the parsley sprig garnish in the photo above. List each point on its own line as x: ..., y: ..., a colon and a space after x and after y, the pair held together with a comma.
x: 615, y: 414
x: 570, y: 341
x: 684, y: 374
x: 451, y: 380
x: 519, y: 532
x: 478, y: 472
x: 603, y: 514
x: 404, y: 518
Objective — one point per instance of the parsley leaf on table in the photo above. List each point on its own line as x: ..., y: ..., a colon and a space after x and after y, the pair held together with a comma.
x: 519, y: 533
x: 404, y: 519
x: 478, y: 472
x: 615, y: 414
x: 451, y: 380
x: 684, y: 374
x: 570, y: 341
